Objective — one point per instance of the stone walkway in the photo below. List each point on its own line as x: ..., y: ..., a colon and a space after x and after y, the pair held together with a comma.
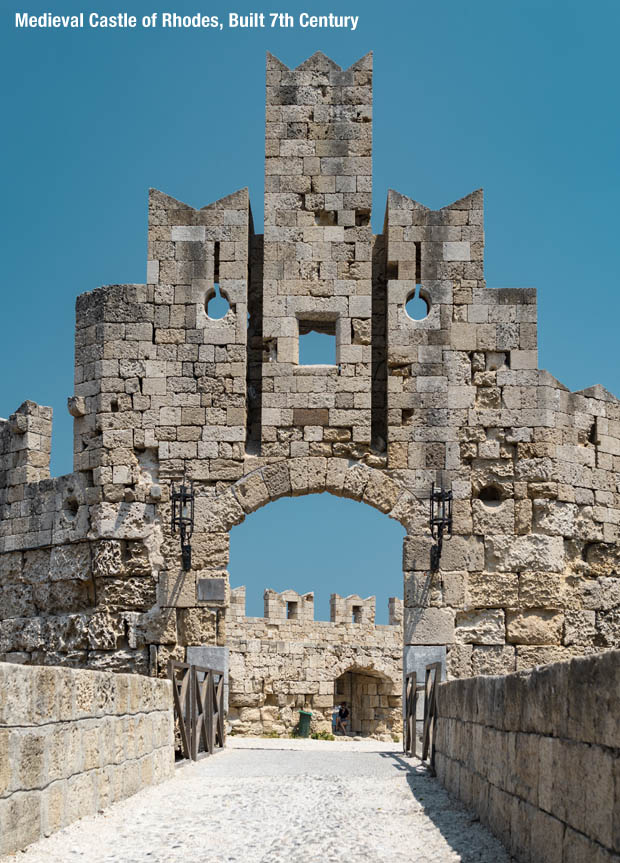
x: 281, y: 801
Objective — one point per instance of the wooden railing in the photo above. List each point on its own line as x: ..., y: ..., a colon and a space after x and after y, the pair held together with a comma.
x: 431, y: 679
x: 411, y: 703
x: 198, y: 695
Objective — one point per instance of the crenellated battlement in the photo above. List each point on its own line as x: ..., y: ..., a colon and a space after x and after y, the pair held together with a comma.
x: 25, y: 446
x: 351, y: 609
x: 291, y: 606
x: 35, y: 509
x: 288, y: 605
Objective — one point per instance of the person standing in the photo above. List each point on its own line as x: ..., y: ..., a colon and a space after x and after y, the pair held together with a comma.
x: 335, y: 711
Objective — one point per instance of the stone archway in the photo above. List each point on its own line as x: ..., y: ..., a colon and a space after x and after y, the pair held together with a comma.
x: 216, y: 513
x: 422, y: 637
x: 268, y: 685
x: 373, y: 699
x: 311, y: 475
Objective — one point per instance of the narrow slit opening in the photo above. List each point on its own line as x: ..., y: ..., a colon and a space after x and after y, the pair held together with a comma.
x: 216, y: 262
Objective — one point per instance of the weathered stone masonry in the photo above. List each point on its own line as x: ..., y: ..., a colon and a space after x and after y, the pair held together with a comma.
x: 72, y: 742
x: 287, y: 660
x: 89, y: 572
x: 536, y: 755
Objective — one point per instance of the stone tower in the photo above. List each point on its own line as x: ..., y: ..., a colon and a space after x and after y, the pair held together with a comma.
x: 318, y: 250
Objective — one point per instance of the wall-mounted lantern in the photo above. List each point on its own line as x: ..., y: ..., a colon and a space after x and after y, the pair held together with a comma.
x: 440, y: 521
x: 182, y: 519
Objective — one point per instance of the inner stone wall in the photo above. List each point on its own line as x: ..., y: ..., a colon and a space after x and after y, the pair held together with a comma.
x: 90, y: 573
x: 279, y: 666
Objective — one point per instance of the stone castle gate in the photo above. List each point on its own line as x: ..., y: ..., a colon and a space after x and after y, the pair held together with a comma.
x: 90, y: 573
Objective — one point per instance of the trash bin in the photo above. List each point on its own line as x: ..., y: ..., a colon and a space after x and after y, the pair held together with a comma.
x: 304, y: 723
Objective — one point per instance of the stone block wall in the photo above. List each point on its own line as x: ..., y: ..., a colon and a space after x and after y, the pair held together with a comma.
x: 279, y: 665
x: 73, y: 742
x: 25, y: 445
x: 36, y: 510
x: 537, y: 756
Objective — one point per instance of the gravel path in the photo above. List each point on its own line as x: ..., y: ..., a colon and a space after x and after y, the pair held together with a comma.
x: 280, y: 801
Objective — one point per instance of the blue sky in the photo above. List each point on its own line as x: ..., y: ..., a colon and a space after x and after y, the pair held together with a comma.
x: 517, y: 97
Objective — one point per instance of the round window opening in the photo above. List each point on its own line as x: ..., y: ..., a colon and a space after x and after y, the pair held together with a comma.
x: 216, y: 305
x: 490, y: 495
x: 417, y: 305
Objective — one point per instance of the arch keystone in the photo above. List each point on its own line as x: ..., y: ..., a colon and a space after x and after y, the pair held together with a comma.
x: 355, y: 481
x: 336, y: 472
x: 277, y: 479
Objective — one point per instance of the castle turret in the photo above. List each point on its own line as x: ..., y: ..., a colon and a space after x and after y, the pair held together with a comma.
x: 317, y: 256
x: 289, y: 605
x: 160, y: 382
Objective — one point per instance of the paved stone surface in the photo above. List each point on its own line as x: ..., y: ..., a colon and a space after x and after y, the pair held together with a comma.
x: 266, y: 801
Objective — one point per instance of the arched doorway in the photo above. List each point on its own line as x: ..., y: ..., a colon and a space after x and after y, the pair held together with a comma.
x: 258, y: 661
x: 285, y: 657
x: 373, y: 699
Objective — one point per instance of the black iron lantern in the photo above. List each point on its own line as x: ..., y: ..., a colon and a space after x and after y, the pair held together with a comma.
x: 440, y: 521
x: 182, y: 519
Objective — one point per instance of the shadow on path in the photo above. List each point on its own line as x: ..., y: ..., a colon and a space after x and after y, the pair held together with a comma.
x: 426, y: 790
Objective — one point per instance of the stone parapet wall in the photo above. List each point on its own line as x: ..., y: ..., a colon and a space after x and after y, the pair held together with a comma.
x: 537, y: 756
x: 279, y: 666
x: 312, y: 630
x: 73, y: 742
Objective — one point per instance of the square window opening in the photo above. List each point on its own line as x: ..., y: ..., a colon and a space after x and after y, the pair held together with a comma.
x: 357, y: 614
x: 291, y: 610
x: 317, y: 343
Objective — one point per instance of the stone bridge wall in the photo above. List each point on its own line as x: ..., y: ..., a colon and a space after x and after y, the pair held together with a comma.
x: 90, y: 573
x: 73, y: 742
x: 537, y: 756
x: 279, y: 666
